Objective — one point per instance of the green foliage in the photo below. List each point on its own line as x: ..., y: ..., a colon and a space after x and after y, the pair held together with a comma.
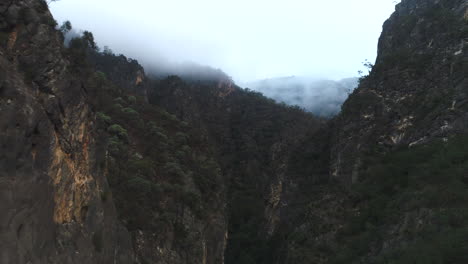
x: 208, y: 175
x: 79, y: 48
x: 141, y: 166
x: 430, y: 177
x: 48, y: 20
x: 192, y: 200
x: 246, y: 244
x: 66, y: 27
x: 150, y: 165
x: 132, y: 100
x: 108, y: 51
x: 181, y: 138
x: 119, y: 131
x: 116, y: 147
x: 130, y: 113
x: 88, y: 39
x: 448, y: 246
x: 119, y: 101
x: 101, y: 77
x: 175, y: 172
x: 361, y: 103
x: 103, y: 118
x: 77, y: 52
x: 169, y: 166
x: 157, y: 132
x: 244, y: 131
x: 117, y: 107
x: 140, y: 185
x: 42, y: 6
x: 169, y: 116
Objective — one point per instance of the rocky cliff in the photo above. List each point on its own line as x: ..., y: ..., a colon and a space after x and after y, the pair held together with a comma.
x: 416, y: 91
x: 50, y: 184
x: 397, y: 150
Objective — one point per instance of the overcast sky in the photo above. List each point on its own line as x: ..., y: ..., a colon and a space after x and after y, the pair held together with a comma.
x: 248, y: 39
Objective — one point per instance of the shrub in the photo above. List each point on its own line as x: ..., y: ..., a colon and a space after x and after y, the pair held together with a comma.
x: 130, y: 113
x: 48, y: 20
x: 141, y: 166
x: 100, y: 76
x: 140, y: 185
x: 181, y: 138
x: 132, y: 99
x: 117, y: 107
x: 120, y: 101
x: 176, y: 173
x: 42, y: 6
x: 103, y: 117
x: 119, y: 131
x: 191, y: 199
x: 116, y: 147
x: 429, y: 176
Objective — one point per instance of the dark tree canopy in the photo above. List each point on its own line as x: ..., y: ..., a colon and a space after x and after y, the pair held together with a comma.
x: 66, y: 27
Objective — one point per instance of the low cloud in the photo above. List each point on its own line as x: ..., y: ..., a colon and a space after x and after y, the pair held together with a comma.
x: 320, y: 97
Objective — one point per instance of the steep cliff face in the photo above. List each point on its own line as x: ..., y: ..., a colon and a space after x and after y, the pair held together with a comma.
x: 417, y: 89
x: 50, y: 185
x: 397, y: 151
x: 397, y: 145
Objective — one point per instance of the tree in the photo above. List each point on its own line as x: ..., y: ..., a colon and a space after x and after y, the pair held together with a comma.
x: 108, y: 51
x: 88, y: 37
x: 66, y: 27
x: 51, y: 1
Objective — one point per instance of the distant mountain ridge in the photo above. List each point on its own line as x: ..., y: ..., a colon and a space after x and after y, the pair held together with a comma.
x: 188, y: 71
x: 319, y: 96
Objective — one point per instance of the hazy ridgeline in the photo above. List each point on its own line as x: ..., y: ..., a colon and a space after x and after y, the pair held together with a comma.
x: 318, y: 96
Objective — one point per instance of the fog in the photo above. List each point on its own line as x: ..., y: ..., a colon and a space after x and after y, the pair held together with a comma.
x: 247, y: 39
x: 321, y: 97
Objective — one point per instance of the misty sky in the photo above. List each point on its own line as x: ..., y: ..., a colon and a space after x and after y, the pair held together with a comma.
x: 248, y: 39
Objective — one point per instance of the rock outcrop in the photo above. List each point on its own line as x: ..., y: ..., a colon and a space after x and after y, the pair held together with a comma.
x: 51, y: 186
x: 417, y: 88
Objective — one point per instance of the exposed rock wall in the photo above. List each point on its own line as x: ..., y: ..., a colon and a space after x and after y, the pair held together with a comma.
x: 417, y: 90
x: 51, y: 186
